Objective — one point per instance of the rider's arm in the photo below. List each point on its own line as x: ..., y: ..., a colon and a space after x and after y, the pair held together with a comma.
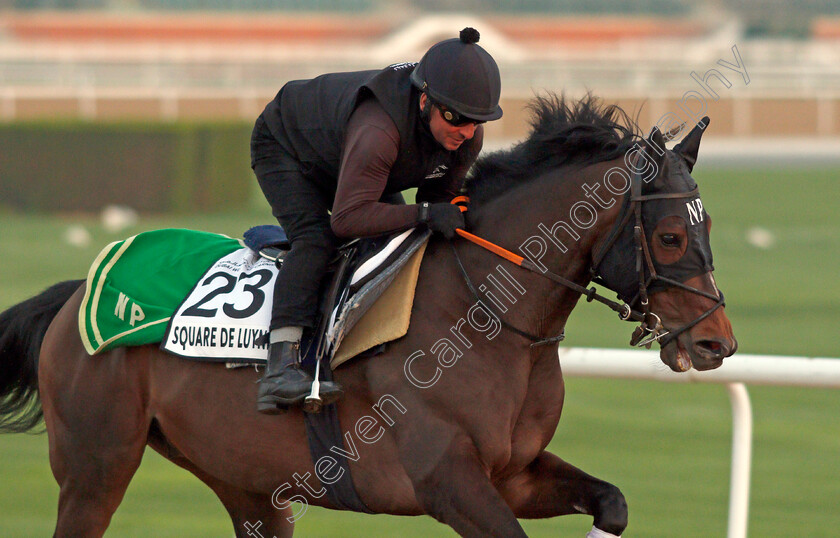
x: 370, y: 150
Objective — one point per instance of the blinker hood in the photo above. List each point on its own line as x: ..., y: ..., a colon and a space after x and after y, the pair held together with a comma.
x: 697, y: 259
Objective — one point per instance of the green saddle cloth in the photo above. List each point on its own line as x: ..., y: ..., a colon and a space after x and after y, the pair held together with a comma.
x: 135, y: 285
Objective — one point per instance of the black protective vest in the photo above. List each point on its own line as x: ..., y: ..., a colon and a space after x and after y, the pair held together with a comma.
x: 309, y: 118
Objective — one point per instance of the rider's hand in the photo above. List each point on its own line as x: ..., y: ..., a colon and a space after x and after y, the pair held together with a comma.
x: 442, y: 218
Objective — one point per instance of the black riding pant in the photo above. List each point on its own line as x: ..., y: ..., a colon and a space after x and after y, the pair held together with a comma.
x: 303, y: 211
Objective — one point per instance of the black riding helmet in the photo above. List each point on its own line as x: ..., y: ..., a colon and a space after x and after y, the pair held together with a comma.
x: 461, y: 76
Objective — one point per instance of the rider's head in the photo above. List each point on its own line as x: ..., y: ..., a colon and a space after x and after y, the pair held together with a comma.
x: 460, y: 80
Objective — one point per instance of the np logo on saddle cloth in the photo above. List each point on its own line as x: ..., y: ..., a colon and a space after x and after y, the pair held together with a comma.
x: 208, y: 297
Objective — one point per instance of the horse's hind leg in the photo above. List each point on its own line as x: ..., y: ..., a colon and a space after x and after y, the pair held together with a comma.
x: 96, y: 419
x: 551, y: 487
x: 93, y: 462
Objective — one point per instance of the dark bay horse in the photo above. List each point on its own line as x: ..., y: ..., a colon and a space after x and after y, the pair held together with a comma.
x: 453, y: 420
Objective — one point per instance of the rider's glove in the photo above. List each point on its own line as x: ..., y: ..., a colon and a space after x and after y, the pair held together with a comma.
x: 443, y: 218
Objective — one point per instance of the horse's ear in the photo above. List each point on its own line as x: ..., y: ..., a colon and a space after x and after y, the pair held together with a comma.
x: 656, y: 140
x: 656, y: 149
x: 648, y: 159
x: 690, y: 145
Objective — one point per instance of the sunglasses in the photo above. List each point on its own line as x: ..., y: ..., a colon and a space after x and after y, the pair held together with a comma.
x: 455, y: 119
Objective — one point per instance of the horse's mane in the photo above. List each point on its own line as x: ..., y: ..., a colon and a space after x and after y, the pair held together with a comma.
x: 563, y: 132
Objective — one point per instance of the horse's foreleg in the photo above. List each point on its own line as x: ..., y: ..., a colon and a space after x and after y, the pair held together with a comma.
x: 550, y: 487
x: 455, y: 489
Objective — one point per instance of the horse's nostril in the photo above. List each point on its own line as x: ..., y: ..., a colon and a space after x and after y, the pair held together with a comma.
x: 713, y: 349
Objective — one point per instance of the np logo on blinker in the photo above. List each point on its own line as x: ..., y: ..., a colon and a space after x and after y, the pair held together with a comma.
x: 695, y: 211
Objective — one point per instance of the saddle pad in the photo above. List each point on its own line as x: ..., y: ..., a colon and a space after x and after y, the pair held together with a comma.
x: 134, y: 285
x: 387, y: 318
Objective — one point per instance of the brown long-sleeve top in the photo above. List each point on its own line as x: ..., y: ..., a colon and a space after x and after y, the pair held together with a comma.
x: 371, y: 149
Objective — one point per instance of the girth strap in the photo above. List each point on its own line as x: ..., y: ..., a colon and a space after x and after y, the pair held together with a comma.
x: 324, y: 433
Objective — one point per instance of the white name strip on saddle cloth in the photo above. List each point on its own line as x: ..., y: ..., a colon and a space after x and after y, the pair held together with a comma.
x: 226, y: 316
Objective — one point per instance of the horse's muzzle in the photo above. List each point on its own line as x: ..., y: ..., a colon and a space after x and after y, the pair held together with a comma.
x: 684, y: 353
x: 709, y: 353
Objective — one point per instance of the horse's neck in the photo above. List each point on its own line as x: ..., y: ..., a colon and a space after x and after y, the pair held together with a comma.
x: 537, y: 215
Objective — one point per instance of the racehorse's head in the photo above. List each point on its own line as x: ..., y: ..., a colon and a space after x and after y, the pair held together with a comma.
x: 659, y: 259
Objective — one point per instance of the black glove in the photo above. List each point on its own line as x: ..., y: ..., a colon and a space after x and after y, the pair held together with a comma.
x: 443, y: 218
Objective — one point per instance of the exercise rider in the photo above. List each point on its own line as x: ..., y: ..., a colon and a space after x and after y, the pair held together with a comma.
x: 332, y: 155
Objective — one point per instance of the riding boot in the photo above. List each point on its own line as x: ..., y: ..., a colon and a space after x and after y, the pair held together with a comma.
x: 284, y: 383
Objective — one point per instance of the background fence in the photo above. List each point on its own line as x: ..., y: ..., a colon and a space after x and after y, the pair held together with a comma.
x: 735, y: 372
x: 180, y: 65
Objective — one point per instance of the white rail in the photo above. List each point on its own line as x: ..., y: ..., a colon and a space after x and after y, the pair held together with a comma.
x: 735, y: 372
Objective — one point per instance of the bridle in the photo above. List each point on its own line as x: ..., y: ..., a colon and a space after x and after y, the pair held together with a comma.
x: 650, y: 329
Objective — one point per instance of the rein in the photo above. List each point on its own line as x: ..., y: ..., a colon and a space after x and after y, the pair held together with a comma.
x: 624, y: 311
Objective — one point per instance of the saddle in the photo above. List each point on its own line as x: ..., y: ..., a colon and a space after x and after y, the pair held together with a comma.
x: 368, y: 284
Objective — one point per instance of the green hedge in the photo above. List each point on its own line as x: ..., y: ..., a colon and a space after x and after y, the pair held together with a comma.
x: 83, y: 166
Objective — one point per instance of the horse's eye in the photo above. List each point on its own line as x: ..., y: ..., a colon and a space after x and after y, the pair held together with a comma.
x: 670, y: 240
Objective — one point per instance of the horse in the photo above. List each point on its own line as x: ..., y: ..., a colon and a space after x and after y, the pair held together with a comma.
x: 453, y: 419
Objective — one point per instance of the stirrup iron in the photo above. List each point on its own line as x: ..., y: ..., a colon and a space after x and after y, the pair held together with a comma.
x: 313, y: 403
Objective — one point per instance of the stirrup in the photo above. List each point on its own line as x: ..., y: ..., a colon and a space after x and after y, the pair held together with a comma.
x: 313, y: 403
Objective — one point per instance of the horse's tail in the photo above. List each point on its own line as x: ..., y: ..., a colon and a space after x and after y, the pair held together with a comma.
x: 22, y: 329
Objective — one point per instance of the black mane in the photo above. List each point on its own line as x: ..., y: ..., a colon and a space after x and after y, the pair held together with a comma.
x: 562, y: 133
